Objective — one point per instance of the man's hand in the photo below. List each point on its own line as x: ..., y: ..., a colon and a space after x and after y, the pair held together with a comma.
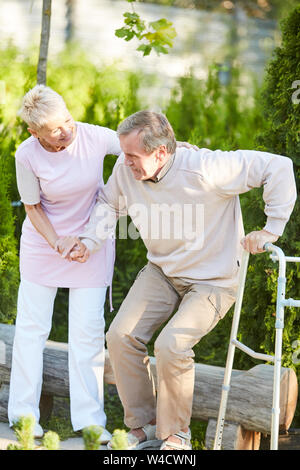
x: 64, y: 245
x: 72, y: 249
x: 255, y: 241
x: 187, y: 145
x: 80, y: 253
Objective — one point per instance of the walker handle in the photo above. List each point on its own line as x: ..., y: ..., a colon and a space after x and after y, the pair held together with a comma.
x: 269, y: 247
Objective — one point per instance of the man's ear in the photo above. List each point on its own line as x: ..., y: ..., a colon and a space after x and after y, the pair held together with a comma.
x: 32, y: 132
x: 162, y: 152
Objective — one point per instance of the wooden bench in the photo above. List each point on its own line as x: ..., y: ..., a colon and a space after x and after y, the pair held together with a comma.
x: 249, y: 404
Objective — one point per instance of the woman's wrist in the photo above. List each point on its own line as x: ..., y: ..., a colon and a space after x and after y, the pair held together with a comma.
x: 54, y: 243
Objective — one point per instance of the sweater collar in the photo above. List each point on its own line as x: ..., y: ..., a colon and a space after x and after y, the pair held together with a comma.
x: 167, y: 166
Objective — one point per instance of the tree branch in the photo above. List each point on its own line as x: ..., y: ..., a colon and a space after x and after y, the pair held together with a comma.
x: 45, y: 34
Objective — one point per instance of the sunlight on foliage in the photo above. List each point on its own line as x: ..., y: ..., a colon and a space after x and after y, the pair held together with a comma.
x: 159, y: 34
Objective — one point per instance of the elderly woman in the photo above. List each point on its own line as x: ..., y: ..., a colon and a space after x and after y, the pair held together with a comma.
x: 59, y: 173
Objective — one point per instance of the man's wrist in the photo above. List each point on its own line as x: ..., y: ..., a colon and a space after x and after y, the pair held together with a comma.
x: 275, y: 226
x: 89, y: 244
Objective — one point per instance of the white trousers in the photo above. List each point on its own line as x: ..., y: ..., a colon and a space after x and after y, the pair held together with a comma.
x: 86, y: 352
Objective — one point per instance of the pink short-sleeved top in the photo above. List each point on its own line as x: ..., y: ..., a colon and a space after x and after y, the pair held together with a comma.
x: 66, y: 184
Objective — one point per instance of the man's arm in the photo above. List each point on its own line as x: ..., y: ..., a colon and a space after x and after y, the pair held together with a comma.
x: 233, y: 173
x: 110, y: 205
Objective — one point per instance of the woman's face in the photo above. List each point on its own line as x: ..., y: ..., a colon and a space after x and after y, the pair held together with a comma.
x: 58, y: 133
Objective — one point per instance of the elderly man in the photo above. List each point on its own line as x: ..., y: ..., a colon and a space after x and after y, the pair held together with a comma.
x: 193, y: 261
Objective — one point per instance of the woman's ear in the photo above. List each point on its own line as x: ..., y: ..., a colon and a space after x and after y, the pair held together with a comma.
x: 32, y: 132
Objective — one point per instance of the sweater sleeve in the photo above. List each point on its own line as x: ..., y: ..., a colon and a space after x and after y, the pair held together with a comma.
x: 236, y: 172
x: 110, y: 205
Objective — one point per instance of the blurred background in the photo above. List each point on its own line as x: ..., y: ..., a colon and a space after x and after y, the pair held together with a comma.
x: 226, y: 83
x: 242, y: 33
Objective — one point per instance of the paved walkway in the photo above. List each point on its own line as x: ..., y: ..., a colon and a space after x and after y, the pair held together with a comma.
x: 7, y: 436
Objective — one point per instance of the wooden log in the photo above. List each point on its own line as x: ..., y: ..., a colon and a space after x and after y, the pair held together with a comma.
x: 46, y: 404
x: 55, y: 369
x: 287, y: 441
x: 235, y: 437
x: 249, y: 401
x: 250, y: 397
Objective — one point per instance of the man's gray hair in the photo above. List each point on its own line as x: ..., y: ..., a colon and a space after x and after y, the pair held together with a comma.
x: 154, y: 128
x: 40, y: 105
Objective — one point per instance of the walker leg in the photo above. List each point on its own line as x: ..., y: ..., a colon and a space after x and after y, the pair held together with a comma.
x: 231, y: 351
x: 276, y: 392
x: 279, y: 325
x: 224, y: 398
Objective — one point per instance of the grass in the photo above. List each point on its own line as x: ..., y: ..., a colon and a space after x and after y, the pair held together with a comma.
x: 61, y: 425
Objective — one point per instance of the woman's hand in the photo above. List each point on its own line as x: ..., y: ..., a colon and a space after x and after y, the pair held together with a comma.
x: 65, y: 245
x: 80, y: 253
x: 187, y: 145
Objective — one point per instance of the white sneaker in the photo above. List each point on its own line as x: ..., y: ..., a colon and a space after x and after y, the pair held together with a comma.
x: 105, y: 436
x: 38, y: 431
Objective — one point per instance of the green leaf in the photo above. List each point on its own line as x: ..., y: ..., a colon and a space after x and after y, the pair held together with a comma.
x: 125, y: 33
x: 160, y: 49
x: 145, y: 48
x: 121, y: 32
x: 130, y: 35
x: 131, y: 16
x: 159, y: 24
x: 165, y: 33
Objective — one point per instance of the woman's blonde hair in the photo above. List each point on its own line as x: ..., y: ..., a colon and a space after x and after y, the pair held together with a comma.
x: 41, y: 104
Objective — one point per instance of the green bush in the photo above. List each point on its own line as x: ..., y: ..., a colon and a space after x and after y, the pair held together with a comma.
x: 282, y: 115
x: 24, y: 431
x: 91, y: 437
x: 9, y: 263
x: 119, y: 440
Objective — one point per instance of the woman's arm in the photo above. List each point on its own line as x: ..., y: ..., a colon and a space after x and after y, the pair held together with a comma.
x: 29, y: 189
x: 41, y: 223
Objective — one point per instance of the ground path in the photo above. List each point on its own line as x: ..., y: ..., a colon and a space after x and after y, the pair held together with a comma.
x: 7, y: 436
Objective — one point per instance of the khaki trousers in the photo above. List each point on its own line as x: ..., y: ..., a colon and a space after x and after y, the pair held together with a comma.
x: 149, y: 303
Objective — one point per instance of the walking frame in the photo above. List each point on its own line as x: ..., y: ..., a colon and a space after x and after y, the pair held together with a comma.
x: 281, y: 303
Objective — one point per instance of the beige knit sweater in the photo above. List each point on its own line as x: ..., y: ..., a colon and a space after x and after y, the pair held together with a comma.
x: 190, y: 218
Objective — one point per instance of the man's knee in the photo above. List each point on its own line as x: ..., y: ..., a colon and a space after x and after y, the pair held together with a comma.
x: 171, y: 348
x: 118, y: 335
x: 165, y: 347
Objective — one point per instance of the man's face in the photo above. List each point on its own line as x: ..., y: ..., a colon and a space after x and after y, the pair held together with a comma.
x: 142, y: 164
x: 58, y: 132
